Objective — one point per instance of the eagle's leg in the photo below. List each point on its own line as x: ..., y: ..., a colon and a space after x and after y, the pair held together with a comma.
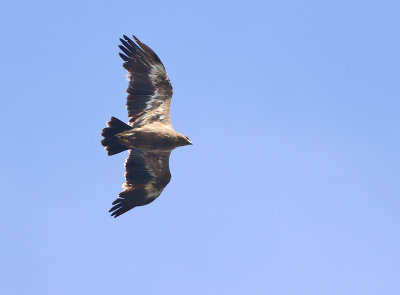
x: 127, y: 138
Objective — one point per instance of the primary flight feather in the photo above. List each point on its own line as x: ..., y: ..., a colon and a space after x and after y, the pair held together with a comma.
x: 149, y: 134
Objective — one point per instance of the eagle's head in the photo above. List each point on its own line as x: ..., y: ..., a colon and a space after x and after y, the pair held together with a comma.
x: 184, y: 140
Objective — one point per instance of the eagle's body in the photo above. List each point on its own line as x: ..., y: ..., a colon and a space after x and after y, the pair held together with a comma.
x: 149, y: 135
x: 154, y: 136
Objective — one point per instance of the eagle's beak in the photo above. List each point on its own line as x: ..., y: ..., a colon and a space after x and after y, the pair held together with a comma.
x: 190, y: 142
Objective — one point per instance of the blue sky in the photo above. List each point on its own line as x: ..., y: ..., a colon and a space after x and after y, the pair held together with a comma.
x: 291, y: 186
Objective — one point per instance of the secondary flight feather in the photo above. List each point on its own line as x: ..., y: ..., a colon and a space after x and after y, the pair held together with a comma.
x: 149, y: 135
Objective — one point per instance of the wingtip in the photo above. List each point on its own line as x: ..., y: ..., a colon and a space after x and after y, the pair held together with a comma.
x: 129, y: 39
x: 136, y: 39
x: 124, y: 57
x: 115, y: 214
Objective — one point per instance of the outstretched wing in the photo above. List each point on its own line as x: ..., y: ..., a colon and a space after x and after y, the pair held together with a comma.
x: 149, y: 90
x: 147, y: 174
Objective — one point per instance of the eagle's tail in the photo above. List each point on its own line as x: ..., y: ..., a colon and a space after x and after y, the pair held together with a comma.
x: 110, y: 142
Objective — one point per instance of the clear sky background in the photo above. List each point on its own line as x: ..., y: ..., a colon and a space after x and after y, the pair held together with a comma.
x: 291, y: 186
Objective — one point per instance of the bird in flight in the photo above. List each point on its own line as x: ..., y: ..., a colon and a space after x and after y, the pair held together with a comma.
x: 149, y: 135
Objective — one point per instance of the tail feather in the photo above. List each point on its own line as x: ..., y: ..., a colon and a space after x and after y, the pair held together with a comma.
x: 110, y: 142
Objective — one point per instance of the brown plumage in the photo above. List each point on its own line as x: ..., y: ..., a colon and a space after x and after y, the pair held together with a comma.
x: 149, y: 135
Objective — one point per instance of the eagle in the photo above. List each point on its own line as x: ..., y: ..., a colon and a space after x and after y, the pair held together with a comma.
x: 149, y: 135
